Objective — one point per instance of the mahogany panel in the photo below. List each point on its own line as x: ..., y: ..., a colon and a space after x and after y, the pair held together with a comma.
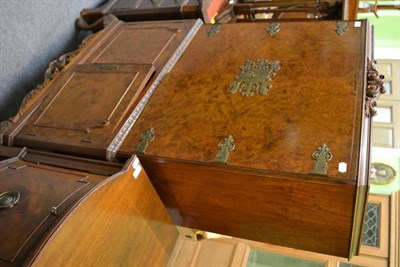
x: 121, y: 223
x: 268, y: 207
x: 46, y: 193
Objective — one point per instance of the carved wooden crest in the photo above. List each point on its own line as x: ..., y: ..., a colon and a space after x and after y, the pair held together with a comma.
x: 255, y: 77
x: 375, y: 88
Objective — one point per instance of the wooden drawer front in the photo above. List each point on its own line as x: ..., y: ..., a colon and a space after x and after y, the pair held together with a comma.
x: 41, y: 189
x: 316, y: 97
x: 84, y: 109
x: 137, y: 44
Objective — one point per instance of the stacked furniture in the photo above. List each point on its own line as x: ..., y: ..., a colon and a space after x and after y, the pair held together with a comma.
x: 259, y: 131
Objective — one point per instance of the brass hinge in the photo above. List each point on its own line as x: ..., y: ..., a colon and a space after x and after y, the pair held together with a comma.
x: 214, y: 29
x: 321, y: 156
x: 341, y: 27
x: 145, y: 138
x: 273, y: 28
x: 225, y: 146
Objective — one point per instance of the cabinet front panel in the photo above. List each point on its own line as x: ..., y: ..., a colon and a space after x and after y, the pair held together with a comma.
x: 42, y: 189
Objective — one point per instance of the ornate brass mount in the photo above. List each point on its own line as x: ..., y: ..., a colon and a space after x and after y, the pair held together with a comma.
x: 214, y: 29
x: 145, y: 138
x: 225, y: 146
x: 375, y: 87
x: 255, y: 77
x: 341, y: 27
x: 9, y: 199
x: 321, y: 156
x: 274, y: 28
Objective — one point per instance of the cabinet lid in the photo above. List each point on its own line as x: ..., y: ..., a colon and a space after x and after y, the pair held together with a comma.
x: 284, y: 97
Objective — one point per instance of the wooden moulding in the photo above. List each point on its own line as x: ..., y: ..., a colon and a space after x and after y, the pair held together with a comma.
x: 33, y: 98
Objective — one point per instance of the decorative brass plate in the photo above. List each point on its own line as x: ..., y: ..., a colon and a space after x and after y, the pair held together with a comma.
x: 145, y: 138
x: 255, y: 77
x: 214, y: 29
x: 225, y: 146
x: 274, y: 28
x: 341, y: 27
x: 321, y: 156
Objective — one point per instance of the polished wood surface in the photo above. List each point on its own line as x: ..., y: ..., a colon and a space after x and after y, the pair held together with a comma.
x: 121, y: 223
x: 87, y: 104
x: 266, y: 191
x: 268, y: 207
x: 316, y: 97
x: 46, y: 194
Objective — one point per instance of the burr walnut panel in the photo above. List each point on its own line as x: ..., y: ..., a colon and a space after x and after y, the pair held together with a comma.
x: 316, y: 98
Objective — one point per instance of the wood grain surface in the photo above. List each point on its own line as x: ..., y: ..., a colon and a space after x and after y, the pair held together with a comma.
x: 41, y: 187
x: 87, y: 105
x: 122, y: 223
x: 316, y: 97
x: 271, y: 208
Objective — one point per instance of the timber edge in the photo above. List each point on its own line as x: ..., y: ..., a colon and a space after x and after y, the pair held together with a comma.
x: 55, y: 67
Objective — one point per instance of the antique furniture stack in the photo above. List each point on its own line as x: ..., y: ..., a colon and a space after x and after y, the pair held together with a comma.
x: 259, y: 131
x: 139, y: 10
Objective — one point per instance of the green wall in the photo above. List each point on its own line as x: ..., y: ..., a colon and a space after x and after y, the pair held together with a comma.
x: 386, y: 27
x: 390, y: 157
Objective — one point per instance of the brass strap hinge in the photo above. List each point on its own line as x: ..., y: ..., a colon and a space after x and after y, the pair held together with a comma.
x: 321, y: 156
x: 341, y: 27
x: 214, y: 29
x: 225, y: 146
x: 145, y: 138
x: 273, y: 28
